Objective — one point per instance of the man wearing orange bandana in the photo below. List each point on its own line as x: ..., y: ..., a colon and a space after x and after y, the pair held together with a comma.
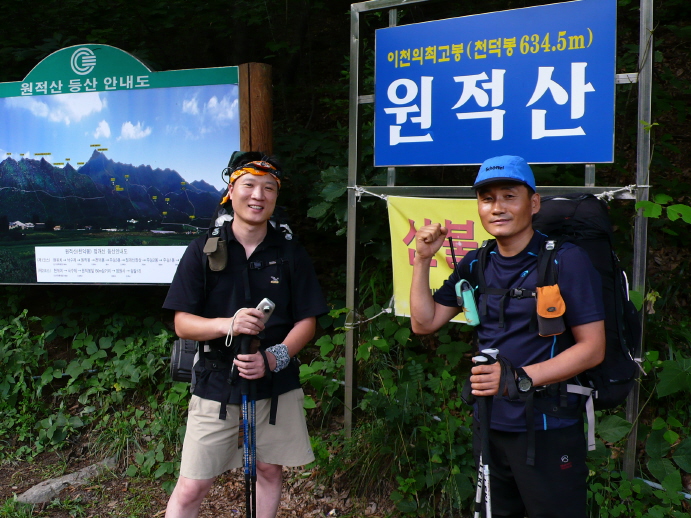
x: 219, y: 282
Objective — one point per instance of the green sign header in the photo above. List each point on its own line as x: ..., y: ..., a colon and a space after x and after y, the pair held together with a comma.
x: 101, y: 68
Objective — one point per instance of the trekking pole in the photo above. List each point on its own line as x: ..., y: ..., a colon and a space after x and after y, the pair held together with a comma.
x: 245, y: 341
x: 253, y: 445
x: 248, y: 389
x: 486, y: 357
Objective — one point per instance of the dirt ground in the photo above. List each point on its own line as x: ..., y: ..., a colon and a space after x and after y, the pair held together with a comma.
x: 115, y: 495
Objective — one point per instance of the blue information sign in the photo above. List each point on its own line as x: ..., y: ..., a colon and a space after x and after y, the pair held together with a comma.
x: 536, y: 82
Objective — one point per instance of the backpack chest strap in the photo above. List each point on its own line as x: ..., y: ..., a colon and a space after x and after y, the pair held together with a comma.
x: 514, y: 293
x: 258, y: 265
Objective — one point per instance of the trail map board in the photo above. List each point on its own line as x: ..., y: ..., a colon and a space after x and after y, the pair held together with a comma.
x: 107, y: 169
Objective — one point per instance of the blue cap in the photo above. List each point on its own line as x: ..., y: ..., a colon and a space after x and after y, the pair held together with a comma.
x: 505, y: 168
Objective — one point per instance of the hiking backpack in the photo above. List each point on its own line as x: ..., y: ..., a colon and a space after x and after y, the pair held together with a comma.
x: 583, y: 219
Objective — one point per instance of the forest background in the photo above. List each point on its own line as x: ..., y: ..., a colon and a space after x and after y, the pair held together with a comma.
x: 82, y: 369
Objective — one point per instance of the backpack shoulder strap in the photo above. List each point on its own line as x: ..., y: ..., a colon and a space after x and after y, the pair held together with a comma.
x: 288, y: 254
x: 546, y: 273
x: 478, y: 271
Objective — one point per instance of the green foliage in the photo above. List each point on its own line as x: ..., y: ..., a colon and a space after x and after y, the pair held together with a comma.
x: 14, y: 509
x: 653, y: 209
x: 665, y: 458
x: 61, y: 382
x: 414, y: 438
x: 74, y: 508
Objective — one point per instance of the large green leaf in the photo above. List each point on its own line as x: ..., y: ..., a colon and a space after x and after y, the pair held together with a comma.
x: 650, y: 209
x: 637, y: 298
x: 402, y: 336
x: 464, y: 486
x: 318, y: 211
x: 674, y: 212
x: 662, y: 468
x: 656, y: 446
x: 406, y: 506
x: 333, y: 191
x: 675, y: 376
x: 662, y: 199
x: 613, y: 428
x: 682, y: 455
x: 381, y: 344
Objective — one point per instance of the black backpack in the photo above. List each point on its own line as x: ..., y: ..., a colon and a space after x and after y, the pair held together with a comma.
x: 583, y: 219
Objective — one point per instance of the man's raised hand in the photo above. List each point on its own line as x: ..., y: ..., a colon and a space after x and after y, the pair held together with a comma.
x: 429, y: 239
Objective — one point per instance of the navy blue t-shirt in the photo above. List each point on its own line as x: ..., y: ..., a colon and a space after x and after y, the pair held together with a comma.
x: 581, y: 289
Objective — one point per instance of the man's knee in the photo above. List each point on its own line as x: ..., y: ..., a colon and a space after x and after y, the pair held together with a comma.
x: 188, y: 490
x: 270, y: 472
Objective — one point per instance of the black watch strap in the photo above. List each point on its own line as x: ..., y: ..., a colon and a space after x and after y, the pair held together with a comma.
x: 524, y: 383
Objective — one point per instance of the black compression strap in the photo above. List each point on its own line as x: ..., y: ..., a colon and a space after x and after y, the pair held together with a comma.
x: 544, y: 260
x: 507, y: 385
x: 246, y: 283
x: 226, y: 395
x: 267, y: 369
x: 273, y: 409
x: 274, y: 396
x: 496, y: 291
x: 530, y: 428
x: 481, y: 284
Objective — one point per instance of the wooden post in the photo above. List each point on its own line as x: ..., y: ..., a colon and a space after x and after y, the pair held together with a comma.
x: 256, y: 108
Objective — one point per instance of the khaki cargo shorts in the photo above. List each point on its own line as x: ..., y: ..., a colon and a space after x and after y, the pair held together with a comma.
x: 211, y: 444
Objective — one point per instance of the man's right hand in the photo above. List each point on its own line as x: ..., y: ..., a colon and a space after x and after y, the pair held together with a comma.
x: 429, y: 239
x: 248, y: 321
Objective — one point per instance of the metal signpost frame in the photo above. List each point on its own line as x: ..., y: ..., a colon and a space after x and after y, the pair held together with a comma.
x: 641, y: 191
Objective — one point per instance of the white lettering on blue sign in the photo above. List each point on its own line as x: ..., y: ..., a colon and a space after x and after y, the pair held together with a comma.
x: 578, y: 90
x: 401, y: 112
x: 470, y: 89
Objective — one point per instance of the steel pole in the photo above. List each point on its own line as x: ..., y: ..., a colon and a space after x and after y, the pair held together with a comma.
x: 353, y: 166
x: 640, y: 240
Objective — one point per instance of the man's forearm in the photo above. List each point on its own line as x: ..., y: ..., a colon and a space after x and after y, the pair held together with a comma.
x: 587, y: 352
x: 194, y: 327
x: 301, y: 333
x: 421, y: 301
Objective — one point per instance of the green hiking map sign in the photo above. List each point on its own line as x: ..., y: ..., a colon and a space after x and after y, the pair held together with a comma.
x: 107, y: 168
x: 101, y: 68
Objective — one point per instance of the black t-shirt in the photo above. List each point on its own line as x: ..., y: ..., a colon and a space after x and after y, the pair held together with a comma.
x: 581, y: 289
x: 279, y: 269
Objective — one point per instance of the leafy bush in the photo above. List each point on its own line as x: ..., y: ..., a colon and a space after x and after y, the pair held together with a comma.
x: 413, y: 435
x: 61, y: 383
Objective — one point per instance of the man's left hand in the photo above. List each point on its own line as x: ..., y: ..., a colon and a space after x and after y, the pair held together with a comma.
x: 251, y: 366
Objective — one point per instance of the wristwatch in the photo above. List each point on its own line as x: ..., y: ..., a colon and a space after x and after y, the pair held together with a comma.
x: 524, y: 383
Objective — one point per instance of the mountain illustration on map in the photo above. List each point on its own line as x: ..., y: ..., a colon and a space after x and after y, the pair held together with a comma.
x: 102, y: 193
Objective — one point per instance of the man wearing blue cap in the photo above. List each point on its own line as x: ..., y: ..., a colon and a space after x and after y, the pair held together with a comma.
x: 538, y: 460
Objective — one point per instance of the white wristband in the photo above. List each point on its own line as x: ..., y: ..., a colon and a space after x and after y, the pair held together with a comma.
x: 280, y: 352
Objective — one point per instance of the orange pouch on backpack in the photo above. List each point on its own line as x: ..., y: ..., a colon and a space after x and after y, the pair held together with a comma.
x: 550, y: 311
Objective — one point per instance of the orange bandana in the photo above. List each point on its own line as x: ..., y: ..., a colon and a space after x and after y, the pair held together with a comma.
x: 258, y: 168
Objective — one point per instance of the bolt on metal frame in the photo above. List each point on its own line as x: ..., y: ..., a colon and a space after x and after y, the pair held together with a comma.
x: 643, y: 76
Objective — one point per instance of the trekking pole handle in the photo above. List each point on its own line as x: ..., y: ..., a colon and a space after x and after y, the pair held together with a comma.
x: 492, y: 353
x: 245, y: 344
x: 484, y: 359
